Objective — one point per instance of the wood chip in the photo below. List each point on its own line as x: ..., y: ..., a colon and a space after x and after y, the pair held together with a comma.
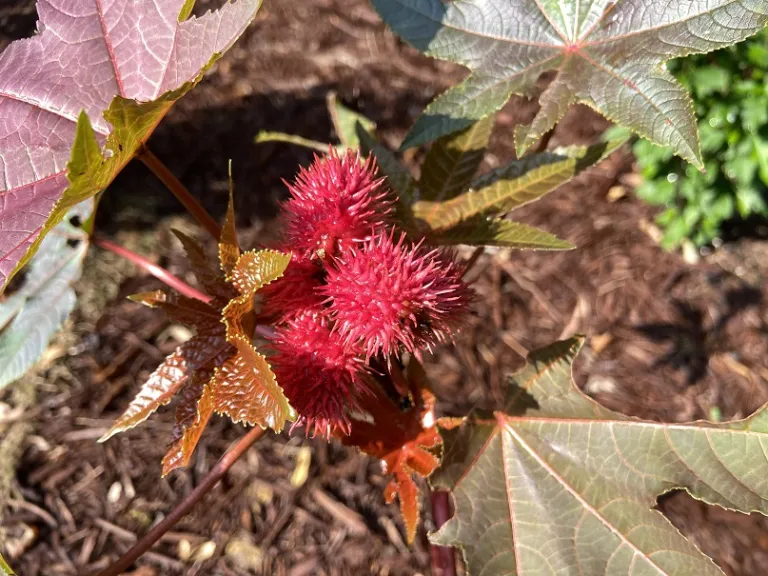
x: 349, y: 518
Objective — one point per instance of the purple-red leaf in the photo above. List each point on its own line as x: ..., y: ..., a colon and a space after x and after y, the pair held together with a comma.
x: 210, y: 278
x: 182, y: 309
x: 103, y: 59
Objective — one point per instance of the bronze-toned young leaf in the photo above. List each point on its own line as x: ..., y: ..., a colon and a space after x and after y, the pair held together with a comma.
x: 257, y: 268
x: 403, y: 441
x: 157, y: 391
x: 229, y: 247
x: 513, y: 185
x: 210, y: 277
x: 345, y: 123
x: 452, y: 161
x: 186, y: 409
x: 181, y: 450
x: 219, y: 368
x: 81, y: 97
x: 181, y: 308
x: 195, y: 354
x: 253, y: 271
x: 500, y: 232
x: 245, y: 389
x: 556, y: 483
x: 608, y: 54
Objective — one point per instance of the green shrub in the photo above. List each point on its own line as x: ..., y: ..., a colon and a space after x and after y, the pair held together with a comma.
x: 730, y: 94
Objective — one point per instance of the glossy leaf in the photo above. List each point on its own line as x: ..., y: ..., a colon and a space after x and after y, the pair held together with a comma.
x: 181, y: 308
x: 404, y: 441
x: 218, y: 369
x: 209, y: 276
x: 181, y: 449
x: 32, y: 315
x: 608, y: 54
x: 556, y: 483
x: 452, y: 161
x: 257, y: 268
x: 167, y: 380
x: 191, y: 420
x: 245, y: 389
x: 253, y: 271
x: 186, y: 409
x: 499, y: 232
x: 229, y: 247
x: 513, y: 185
x: 81, y: 97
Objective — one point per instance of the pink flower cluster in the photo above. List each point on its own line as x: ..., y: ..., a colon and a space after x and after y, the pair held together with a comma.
x: 356, y: 289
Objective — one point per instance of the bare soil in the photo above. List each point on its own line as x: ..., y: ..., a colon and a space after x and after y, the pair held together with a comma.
x: 667, y: 340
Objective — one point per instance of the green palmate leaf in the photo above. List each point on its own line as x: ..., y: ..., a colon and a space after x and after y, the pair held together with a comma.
x: 608, y: 54
x: 90, y: 171
x: 452, y: 161
x: 399, y: 178
x: 557, y: 484
x: 34, y: 313
x: 267, y: 136
x: 514, y: 185
x: 498, y: 232
x: 345, y: 121
x: 5, y: 570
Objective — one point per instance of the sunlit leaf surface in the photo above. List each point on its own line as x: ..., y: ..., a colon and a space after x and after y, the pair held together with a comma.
x: 555, y: 483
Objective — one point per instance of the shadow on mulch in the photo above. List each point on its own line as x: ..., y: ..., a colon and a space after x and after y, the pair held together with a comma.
x: 198, y: 147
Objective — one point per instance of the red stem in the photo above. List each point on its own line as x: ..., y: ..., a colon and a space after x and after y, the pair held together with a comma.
x: 157, y: 271
x: 180, y: 191
x: 210, y: 480
x: 443, y: 557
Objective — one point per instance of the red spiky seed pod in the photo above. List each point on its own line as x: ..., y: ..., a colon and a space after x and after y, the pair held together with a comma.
x: 296, y: 291
x: 388, y: 295
x: 320, y: 373
x: 334, y: 202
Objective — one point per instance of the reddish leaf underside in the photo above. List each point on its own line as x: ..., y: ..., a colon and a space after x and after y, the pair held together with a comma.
x: 96, y: 57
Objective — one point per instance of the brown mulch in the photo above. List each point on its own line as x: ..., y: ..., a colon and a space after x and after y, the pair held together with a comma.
x: 667, y: 340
